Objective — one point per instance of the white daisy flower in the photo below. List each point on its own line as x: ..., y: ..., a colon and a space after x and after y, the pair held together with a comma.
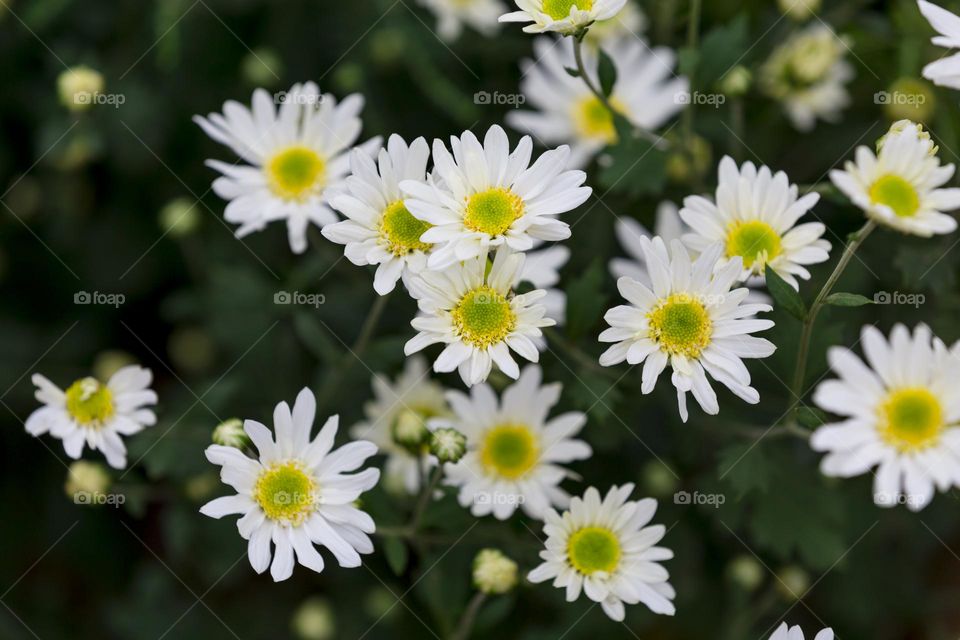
x: 379, y: 229
x: 691, y: 320
x: 478, y: 316
x: 452, y: 15
x: 946, y: 71
x: 562, y: 16
x: 902, y: 415
x: 808, y: 75
x: 667, y: 225
x: 413, y: 395
x: 784, y: 632
x: 486, y: 196
x: 899, y: 186
x: 645, y: 92
x: 607, y: 550
x: 96, y: 414
x: 755, y: 217
x: 541, y: 268
x: 515, y: 453
x: 296, y: 158
x: 298, y: 493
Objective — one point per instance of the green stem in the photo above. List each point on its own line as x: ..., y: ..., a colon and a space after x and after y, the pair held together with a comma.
x: 799, y: 375
x: 582, y: 358
x: 693, y: 41
x: 424, y: 501
x: 469, y: 616
x: 604, y: 100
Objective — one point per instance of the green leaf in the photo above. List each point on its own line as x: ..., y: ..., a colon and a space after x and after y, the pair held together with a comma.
x: 637, y: 167
x: 847, y: 300
x: 608, y: 73
x: 785, y: 295
x: 397, y: 554
x: 586, y: 300
x: 721, y: 49
x: 572, y: 72
x: 811, y: 418
x: 746, y: 466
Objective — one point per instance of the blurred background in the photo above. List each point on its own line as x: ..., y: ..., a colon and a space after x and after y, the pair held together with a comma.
x: 112, y: 201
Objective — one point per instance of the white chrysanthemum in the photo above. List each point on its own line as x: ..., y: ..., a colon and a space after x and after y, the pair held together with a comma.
x: 607, y: 550
x: 646, y: 93
x: 808, y: 75
x: 298, y: 493
x: 784, y: 632
x: 516, y: 453
x: 379, y: 229
x: 413, y: 395
x: 96, y: 414
x: 452, y: 15
x: 899, y: 187
x: 296, y: 158
x: 630, y: 21
x: 562, y: 16
x: 541, y: 268
x: 945, y: 71
x: 690, y: 320
x: 477, y: 314
x: 485, y: 196
x: 902, y: 415
x: 755, y: 218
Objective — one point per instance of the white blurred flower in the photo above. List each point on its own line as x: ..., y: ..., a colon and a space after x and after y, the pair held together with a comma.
x: 453, y: 15
x: 796, y: 633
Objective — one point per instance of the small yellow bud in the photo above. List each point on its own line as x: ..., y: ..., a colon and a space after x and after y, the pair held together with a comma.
x: 78, y: 86
x: 493, y: 572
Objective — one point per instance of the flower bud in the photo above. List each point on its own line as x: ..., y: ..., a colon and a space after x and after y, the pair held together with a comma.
x: 179, y: 217
x: 736, y: 82
x: 314, y: 620
x: 410, y: 430
x: 903, y: 126
x: 230, y: 433
x: 262, y: 67
x: 909, y: 98
x: 658, y: 479
x: 447, y: 444
x: 792, y: 583
x: 109, y: 362
x: 78, y: 86
x: 799, y: 10
x: 745, y: 572
x: 86, y: 478
x: 493, y: 572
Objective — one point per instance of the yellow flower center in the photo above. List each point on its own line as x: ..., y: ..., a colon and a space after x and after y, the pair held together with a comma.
x: 90, y: 403
x: 295, y: 173
x: 402, y: 231
x: 592, y: 119
x: 896, y: 193
x: 286, y: 493
x: 754, y: 241
x: 593, y: 549
x: 483, y: 317
x: 681, y: 325
x: 911, y: 419
x: 560, y: 9
x: 509, y: 451
x: 492, y: 211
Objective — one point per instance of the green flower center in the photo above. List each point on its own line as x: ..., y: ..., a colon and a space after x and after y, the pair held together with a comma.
x: 896, y: 193
x: 295, y: 173
x: 402, y: 231
x: 286, y: 493
x: 754, y: 241
x: 593, y: 549
x: 560, y: 9
x: 90, y: 403
x: 911, y: 419
x: 509, y: 451
x: 681, y: 325
x: 593, y: 120
x: 492, y: 211
x: 483, y: 317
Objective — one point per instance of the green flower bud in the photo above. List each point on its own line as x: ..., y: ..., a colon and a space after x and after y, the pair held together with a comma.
x: 908, y: 99
x: 230, y: 433
x: 410, y: 431
x: 799, y: 10
x: 745, y: 572
x: 77, y: 87
x: 85, y: 479
x: 736, y: 82
x: 493, y: 572
x: 262, y: 67
x: 447, y: 444
x: 792, y: 583
x: 658, y: 480
x: 902, y: 125
x: 314, y: 620
x: 180, y: 217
